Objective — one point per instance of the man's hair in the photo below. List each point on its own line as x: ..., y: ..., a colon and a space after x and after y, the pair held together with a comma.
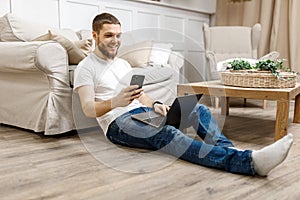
x: 104, y: 18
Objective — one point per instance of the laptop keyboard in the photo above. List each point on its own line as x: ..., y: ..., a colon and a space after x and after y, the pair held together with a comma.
x: 155, y: 120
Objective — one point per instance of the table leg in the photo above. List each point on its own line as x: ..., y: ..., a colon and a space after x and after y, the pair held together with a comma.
x: 264, y: 104
x: 297, y: 109
x: 216, y: 102
x: 224, y: 105
x: 282, y: 115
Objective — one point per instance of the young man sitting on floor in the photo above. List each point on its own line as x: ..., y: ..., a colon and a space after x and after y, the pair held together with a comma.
x: 99, y: 76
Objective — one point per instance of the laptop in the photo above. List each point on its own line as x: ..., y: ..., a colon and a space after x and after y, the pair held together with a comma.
x: 180, y: 108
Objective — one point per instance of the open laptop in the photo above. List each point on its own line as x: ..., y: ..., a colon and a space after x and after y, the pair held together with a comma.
x: 181, y: 108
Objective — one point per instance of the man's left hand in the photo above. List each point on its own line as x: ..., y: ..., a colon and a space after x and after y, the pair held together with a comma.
x: 161, y: 109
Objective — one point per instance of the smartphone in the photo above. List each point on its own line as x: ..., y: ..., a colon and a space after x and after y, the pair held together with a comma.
x: 137, y: 80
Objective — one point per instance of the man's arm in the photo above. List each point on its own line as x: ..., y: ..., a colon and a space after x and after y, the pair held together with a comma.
x: 89, y: 104
x: 148, y: 101
x: 96, y: 108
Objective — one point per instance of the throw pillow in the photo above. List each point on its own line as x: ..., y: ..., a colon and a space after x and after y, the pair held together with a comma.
x: 85, y: 34
x: 137, y: 54
x: 84, y: 45
x: 67, y: 33
x: 270, y: 56
x: 75, y: 55
x: 160, y: 53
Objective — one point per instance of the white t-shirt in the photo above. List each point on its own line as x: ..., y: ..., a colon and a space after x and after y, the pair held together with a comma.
x: 108, y: 78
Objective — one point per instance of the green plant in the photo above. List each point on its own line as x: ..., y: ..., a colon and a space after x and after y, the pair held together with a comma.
x: 269, y: 65
x: 264, y: 65
x: 240, y: 64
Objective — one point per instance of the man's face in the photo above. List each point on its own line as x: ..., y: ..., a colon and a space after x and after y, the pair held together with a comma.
x: 108, y: 40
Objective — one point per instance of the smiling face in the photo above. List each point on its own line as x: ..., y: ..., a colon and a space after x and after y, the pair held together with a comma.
x: 107, y: 41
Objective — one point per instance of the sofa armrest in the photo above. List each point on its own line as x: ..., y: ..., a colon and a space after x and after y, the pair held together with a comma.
x: 212, y: 71
x: 212, y: 61
x: 47, y: 57
x: 52, y: 59
x: 18, y: 57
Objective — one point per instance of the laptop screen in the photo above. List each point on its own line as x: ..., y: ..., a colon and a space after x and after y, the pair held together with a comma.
x: 181, y: 109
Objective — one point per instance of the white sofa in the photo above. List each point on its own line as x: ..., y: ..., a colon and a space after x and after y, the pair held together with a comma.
x: 36, y: 75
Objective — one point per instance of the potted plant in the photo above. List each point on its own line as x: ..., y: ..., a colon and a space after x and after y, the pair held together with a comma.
x: 264, y: 73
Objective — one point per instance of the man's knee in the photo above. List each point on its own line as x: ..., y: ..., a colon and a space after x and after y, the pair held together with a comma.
x: 201, y: 108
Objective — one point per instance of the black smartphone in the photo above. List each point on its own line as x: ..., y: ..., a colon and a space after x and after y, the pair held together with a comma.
x: 137, y: 80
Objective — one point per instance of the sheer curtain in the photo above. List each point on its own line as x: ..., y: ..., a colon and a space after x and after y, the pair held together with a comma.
x: 279, y: 25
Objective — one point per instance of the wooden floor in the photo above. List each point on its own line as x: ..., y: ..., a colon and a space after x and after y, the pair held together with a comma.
x: 85, y: 166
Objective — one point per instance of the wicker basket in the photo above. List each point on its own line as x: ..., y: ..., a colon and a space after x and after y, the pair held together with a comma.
x: 258, y: 79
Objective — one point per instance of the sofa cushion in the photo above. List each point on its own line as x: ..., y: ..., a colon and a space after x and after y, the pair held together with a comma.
x: 17, y: 29
x: 75, y: 54
x: 6, y: 33
x: 160, y: 53
x: 14, y: 28
x: 176, y: 60
x: 138, y: 54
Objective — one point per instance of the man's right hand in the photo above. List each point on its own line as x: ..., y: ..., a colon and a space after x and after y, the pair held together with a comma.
x: 126, y: 96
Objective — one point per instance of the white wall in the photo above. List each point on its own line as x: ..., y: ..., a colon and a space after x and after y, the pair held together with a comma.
x: 78, y: 14
x: 208, y: 6
x: 143, y: 19
x: 4, y: 7
x: 45, y: 11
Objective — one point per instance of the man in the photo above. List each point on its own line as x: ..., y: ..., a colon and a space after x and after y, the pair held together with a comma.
x: 98, y: 79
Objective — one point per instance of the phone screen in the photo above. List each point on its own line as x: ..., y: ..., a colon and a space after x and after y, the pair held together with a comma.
x: 137, y: 80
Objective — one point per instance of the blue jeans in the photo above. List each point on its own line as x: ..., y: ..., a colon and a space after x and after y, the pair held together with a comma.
x: 212, y: 152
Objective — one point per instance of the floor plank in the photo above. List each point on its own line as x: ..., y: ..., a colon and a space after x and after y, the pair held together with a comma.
x: 86, y: 166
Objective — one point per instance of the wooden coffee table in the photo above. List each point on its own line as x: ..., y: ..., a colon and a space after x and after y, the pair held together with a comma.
x: 282, y: 96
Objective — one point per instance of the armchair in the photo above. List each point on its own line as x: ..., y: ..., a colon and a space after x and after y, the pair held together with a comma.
x: 227, y: 42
